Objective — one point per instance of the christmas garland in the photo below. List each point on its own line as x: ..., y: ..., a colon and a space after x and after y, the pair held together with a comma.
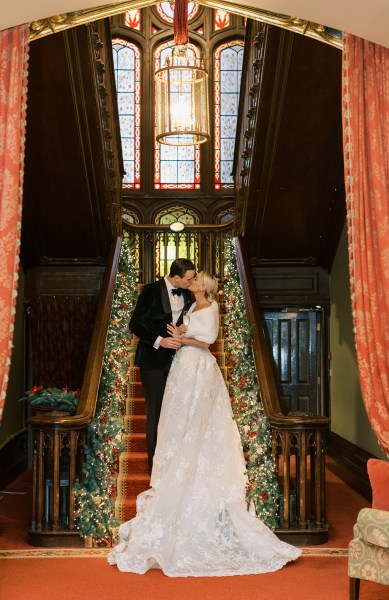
x: 262, y: 488
x: 95, y: 494
x: 52, y: 398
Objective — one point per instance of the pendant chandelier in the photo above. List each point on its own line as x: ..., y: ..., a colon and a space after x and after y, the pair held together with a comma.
x: 182, y: 109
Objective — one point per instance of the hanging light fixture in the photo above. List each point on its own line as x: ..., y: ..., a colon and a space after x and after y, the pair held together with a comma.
x: 182, y: 109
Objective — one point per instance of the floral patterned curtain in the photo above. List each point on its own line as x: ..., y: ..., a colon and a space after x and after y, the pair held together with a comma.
x: 366, y: 157
x: 13, y: 94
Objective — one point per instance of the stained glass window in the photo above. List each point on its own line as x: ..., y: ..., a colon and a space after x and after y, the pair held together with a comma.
x: 132, y: 18
x: 224, y: 216
x: 170, y: 245
x: 178, y: 213
x: 165, y: 11
x: 221, y: 19
x: 129, y: 216
x: 127, y: 68
x: 175, y: 167
x: 228, y: 59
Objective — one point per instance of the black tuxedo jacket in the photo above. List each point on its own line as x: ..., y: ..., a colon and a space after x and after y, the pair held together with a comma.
x: 149, y: 320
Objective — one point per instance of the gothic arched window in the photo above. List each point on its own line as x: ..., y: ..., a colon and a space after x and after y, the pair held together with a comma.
x: 228, y: 60
x: 175, y: 167
x: 169, y: 244
x: 140, y: 45
x: 127, y: 67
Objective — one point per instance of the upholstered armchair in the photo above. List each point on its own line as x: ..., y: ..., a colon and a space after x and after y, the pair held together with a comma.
x: 369, y: 549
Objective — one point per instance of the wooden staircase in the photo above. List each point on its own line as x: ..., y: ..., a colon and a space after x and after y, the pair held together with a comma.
x: 133, y: 477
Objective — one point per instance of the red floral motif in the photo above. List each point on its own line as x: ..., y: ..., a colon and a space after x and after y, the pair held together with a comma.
x: 366, y: 165
x: 13, y: 92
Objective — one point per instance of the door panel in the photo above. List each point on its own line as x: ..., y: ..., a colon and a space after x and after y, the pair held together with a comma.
x: 295, y: 342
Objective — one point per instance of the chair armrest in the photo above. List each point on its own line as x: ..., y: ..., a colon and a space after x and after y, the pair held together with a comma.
x: 373, y: 527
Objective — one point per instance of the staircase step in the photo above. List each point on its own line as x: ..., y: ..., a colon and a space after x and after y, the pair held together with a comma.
x: 134, y: 373
x: 226, y: 373
x: 125, y: 509
x: 134, y: 463
x: 135, y: 389
x: 217, y: 346
x: 134, y: 442
x: 131, y: 485
x: 135, y: 423
x: 220, y: 358
x: 135, y: 406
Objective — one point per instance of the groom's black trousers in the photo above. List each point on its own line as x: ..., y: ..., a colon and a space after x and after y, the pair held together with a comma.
x: 153, y: 382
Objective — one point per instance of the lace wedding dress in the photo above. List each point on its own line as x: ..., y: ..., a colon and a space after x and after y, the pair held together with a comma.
x: 193, y: 521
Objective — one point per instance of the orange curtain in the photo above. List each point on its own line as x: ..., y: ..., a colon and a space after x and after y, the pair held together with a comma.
x: 366, y: 157
x: 13, y: 92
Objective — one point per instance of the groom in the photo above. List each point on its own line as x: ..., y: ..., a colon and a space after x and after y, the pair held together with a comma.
x: 159, y: 303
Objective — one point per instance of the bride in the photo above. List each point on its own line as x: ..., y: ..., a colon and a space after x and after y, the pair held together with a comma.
x: 193, y: 521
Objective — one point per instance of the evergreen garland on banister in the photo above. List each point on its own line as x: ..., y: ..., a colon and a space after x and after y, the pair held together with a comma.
x: 253, y: 425
x: 95, y: 508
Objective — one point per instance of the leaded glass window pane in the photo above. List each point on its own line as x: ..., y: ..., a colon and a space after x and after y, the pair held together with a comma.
x: 132, y: 19
x: 221, y: 19
x: 183, y: 214
x: 127, y: 69
x: 166, y: 11
x: 228, y: 60
x: 175, y: 167
x: 170, y: 246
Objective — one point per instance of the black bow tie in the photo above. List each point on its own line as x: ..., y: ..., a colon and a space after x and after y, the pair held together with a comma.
x: 177, y: 291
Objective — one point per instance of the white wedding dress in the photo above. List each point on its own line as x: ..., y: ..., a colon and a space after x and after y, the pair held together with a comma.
x: 193, y: 521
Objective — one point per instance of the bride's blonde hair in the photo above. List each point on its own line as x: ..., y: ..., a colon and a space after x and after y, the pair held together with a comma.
x: 211, y: 284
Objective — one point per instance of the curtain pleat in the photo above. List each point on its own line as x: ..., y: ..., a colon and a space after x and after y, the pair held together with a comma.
x: 366, y: 158
x: 13, y: 95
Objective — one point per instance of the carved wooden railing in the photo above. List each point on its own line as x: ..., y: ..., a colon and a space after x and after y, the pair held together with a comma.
x: 298, y: 442
x: 58, y: 439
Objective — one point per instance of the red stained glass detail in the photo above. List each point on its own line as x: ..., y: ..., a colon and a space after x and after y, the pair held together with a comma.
x: 174, y: 186
x: 217, y: 120
x: 166, y: 11
x: 221, y: 19
x: 157, y: 147
x: 132, y: 19
x: 137, y: 112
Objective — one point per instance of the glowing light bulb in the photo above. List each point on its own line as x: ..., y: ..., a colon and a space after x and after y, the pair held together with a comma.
x: 181, y: 113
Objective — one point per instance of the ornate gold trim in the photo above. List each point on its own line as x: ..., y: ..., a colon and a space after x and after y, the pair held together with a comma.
x: 58, y: 23
x: 301, y: 26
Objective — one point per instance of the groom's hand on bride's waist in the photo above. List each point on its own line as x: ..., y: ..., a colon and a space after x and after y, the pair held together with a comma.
x: 170, y: 342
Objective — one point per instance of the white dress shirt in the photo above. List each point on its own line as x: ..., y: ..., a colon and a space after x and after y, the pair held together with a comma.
x: 176, y: 303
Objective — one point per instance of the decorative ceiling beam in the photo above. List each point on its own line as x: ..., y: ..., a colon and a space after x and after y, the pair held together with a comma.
x: 57, y: 23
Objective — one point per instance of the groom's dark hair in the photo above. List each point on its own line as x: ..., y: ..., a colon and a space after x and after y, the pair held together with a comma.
x: 180, y: 266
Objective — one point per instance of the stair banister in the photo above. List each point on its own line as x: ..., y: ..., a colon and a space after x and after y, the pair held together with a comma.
x: 298, y: 442
x: 53, y: 504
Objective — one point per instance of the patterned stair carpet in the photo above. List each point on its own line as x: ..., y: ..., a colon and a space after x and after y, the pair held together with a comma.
x: 133, y: 477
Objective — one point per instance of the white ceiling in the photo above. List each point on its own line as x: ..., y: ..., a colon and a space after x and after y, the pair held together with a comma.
x: 368, y: 19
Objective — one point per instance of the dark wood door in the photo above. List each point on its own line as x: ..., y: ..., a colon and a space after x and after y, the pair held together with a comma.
x: 295, y: 340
